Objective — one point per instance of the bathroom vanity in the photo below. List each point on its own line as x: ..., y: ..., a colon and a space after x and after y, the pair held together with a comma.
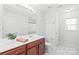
x: 36, y: 47
x: 32, y: 47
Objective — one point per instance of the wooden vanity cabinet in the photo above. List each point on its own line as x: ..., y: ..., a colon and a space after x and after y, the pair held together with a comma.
x: 16, y: 51
x: 36, y: 48
x: 41, y: 47
x: 33, y: 51
x: 33, y: 48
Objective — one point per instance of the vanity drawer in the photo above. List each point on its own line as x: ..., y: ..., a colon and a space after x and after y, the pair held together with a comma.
x: 16, y: 51
x: 32, y: 44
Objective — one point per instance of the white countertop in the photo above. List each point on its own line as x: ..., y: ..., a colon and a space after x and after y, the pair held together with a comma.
x: 6, y: 44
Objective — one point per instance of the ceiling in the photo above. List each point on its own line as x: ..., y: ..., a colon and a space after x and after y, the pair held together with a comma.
x: 42, y: 7
x: 46, y: 7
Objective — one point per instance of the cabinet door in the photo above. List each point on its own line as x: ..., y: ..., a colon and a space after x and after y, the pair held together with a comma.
x: 15, y: 51
x: 33, y: 51
x: 24, y: 53
x: 41, y: 49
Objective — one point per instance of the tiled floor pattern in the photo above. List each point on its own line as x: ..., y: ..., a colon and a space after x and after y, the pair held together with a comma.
x: 61, y: 50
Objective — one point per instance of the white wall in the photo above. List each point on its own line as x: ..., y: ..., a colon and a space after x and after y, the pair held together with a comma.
x: 39, y: 27
x: 16, y: 19
x: 41, y: 24
x: 1, y: 17
x: 14, y: 22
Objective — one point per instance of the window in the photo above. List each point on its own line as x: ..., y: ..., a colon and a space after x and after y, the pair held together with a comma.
x: 71, y: 24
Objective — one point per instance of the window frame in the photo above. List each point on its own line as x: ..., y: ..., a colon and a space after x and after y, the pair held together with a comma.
x: 71, y: 23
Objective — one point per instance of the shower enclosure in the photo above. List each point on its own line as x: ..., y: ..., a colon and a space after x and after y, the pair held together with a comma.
x: 66, y: 16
